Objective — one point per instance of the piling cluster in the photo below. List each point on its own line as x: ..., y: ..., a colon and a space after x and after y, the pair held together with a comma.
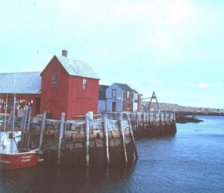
x: 108, y: 140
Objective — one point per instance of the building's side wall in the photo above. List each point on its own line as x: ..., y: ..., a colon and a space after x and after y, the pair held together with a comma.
x: 101, y: 106
x: 110, y: 99
x: 135, y: 102
x: 82, y: 100
x: 54, y: 99
x: 22, y: 101
x: 128, y: 101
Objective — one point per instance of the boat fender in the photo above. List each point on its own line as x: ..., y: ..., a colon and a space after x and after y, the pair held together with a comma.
x: 4, y: 144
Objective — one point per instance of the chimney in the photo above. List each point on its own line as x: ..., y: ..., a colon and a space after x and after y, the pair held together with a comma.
x: 65, y: 53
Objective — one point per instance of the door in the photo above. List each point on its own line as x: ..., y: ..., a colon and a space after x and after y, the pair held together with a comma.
x: 37, y: 106
x: 113, y: 106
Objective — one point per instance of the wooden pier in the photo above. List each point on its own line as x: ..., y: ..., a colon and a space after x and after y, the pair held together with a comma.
x: 89, y: 142
x: 107, y: 140
x: 149, y: 124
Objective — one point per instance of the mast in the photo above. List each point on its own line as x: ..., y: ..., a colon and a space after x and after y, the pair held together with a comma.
x: 14, y: 104
x: 6, y: 106
x: 14, y: 112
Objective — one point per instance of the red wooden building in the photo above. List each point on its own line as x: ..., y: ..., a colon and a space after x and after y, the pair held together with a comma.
x: 69, y: 86
x: 26, y: 86
x: 65, y: 85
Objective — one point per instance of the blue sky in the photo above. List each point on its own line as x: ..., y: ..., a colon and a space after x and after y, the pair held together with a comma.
x: 172, y: 47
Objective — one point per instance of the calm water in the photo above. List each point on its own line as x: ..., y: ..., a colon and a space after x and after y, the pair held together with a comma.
x: 192, y: 161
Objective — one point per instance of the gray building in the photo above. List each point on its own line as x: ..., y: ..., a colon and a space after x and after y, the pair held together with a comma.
x: 102, y: 98
x: 118, y: 98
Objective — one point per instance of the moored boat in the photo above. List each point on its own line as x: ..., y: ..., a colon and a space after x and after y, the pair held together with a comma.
x: 12, y: 156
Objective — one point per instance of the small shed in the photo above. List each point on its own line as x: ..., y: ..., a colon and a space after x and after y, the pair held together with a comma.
x: 25, y: 85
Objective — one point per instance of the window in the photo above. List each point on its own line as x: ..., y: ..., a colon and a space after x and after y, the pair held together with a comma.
x: 54, y: 79
x: 84, y: 84
x: 128, y: 95
x: 114, y: 93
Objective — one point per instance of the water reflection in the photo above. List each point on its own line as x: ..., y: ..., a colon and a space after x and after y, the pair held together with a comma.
x: 192, y: 161
x: 47, y: 179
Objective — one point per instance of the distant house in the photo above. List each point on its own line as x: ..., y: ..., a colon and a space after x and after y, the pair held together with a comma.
x: 121, y: 97
x: 69, y: 86
x: 102, y: 98
x: 65, y: 85
x: 26, y: 86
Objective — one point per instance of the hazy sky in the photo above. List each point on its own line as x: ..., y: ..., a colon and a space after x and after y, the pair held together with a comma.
x: 174, y: 47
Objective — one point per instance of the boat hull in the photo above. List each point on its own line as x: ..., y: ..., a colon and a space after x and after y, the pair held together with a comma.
x: 18, y: 160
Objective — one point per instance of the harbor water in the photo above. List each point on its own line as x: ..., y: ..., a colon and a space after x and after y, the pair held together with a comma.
x: 190, y: 161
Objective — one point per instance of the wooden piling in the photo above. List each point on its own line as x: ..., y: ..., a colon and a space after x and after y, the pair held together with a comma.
x: 87, y: 138
x: 25, y: 118
x: 106, y: 140
x: 61, y: 133
x: 160, y: 124
x: 137, y: 121
x: 42, y: 128
x: 123, y: 138
x: 143, y: 120
x: 132, y: 137
x: 29, y: 119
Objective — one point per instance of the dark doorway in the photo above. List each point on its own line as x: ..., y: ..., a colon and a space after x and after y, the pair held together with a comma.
x: 113, y: 106
x: 37, y: 106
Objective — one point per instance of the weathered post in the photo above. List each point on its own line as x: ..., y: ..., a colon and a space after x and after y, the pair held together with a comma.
x: 143, y: 120
x: 42, y: 128
x: 164, y: 117
x: 146, y: 120
x: 154, y: 124
x: 87, y: 138
x: 149, y: 118
x: 61, y: 133
x: 106, y: 140
x: 132, y: 137
x: 123, y: 137
x: 29, y: 118
x: 160, y: 123
x: 137, y: 121
x: 25, y: 118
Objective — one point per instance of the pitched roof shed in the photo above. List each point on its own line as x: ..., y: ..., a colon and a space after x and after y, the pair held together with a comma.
x: 20, y: 83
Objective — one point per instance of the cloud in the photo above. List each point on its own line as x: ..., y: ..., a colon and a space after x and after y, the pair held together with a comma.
x: 208, y: 85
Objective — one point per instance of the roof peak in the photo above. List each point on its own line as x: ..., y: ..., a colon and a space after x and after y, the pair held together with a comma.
x: 124, y: 86
x: 77, y: 67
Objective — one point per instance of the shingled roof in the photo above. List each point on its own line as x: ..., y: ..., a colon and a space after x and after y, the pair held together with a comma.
x: 124, y: 87
x: 20, y: 83
x: 77, y: 68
